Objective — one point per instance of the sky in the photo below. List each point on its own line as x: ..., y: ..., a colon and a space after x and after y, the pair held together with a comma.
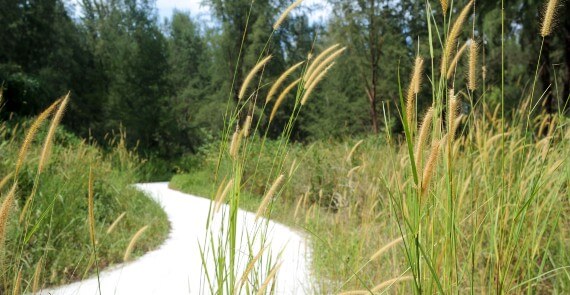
x: 165, y: 8
x: 319, y: 12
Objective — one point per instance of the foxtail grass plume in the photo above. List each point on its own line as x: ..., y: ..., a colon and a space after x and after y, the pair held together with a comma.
x: 133, y: 242
x: 319, y: 68
x: 293, y: 168
x: 285, y: 13
x: 444, y: 6
x: 473, y: 55
x: 269, y: 195
x: 251, y: 74
x: 116, y: 222
x: 455, y: 61
x: 312, y: 86
x: 318, y: 59
x: 234, y: 144
x: 429, y: 169
x: 219, y: 200
x: 37, y: 276
x: 32, y: 133
x: 246, y: 126
x: 249, y: 268
x: 6, y: 179
x: 51, y: 133
x: 391, y: 282
x: 17, y: 284
x: 414, y: 89
x: 5, y: 211
x: 349, y: 157
x: 280, y: 81
x: 270, y: 277
x: 548, y: 18
x: 453, y: 35
x: 452, y: 113
x: 281, y: 97
x: 425, y: 129
x: 385, y: 248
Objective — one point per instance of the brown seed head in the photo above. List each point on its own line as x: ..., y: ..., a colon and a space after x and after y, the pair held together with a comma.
x: 318, y: 59
x: 281, y: 98
x: 455, y: 61
x: 133, y: 242
x: 430, y: 166
x: 444, y: 6
x: 425, y: 130
x: 5, y: 211
x: 252, y: 74
x: 413, y: 90
x: 285, y: 13
x: 473, y: 55
x: 235, y: 143
x: 311, y: 87
x: 269, y: 195
x: 453, y: 35
x: 319, y: 69
x: 51, y: 133
x: 280, y: 81
x: 548, y: 19
x: 246, y: 126
x: 32, y: 133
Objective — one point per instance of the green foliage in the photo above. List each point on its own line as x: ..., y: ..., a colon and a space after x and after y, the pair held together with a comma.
x: 59, y: 210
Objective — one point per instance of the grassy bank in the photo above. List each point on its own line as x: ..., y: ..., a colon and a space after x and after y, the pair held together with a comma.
x: 354, y: 198
x: 47, y: 238
x: 466, y: 198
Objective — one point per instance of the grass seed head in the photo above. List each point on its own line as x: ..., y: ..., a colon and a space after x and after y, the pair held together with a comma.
x: 425, y: 129
x: 455, y: 61
x: 280, y: 81
x: 318, y: 59
x: 32, y: 133
x: 413, y: 90
x: 429, y: 169
x: 234, y: 144
x: 453, y: 35
x: 549, y: 15
x: 311, y: 87
x: 282, y: 97
x: 269, y: 195
x: 283, y: 16
x: 319, y: 69
x: 473, y: 56
x: 5, y: 211
x: 252, y: 74
x: 444, y: 6
x: 116, y: 222
x: 51, y: 133
x: 133, y: 242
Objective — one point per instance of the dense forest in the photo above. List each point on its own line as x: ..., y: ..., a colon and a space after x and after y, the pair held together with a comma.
x: 167, y: 82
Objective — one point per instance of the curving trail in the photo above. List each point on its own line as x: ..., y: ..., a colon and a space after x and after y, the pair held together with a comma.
x: 176, y: 267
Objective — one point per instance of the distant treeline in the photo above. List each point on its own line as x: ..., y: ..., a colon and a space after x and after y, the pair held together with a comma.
x: 168, y: 82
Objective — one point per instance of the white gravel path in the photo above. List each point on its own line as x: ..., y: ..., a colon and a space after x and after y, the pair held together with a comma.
x: 176, y: 267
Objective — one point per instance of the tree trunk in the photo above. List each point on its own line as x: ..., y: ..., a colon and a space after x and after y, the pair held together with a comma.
x: 373, y: 114
x: 374, y: 61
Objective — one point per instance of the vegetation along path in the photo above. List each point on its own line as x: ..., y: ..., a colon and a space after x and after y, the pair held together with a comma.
x: 176, y: 267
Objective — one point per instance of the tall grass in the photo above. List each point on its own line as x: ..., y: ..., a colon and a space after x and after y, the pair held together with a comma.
x: 67, y: 208
x: 466, y: 202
